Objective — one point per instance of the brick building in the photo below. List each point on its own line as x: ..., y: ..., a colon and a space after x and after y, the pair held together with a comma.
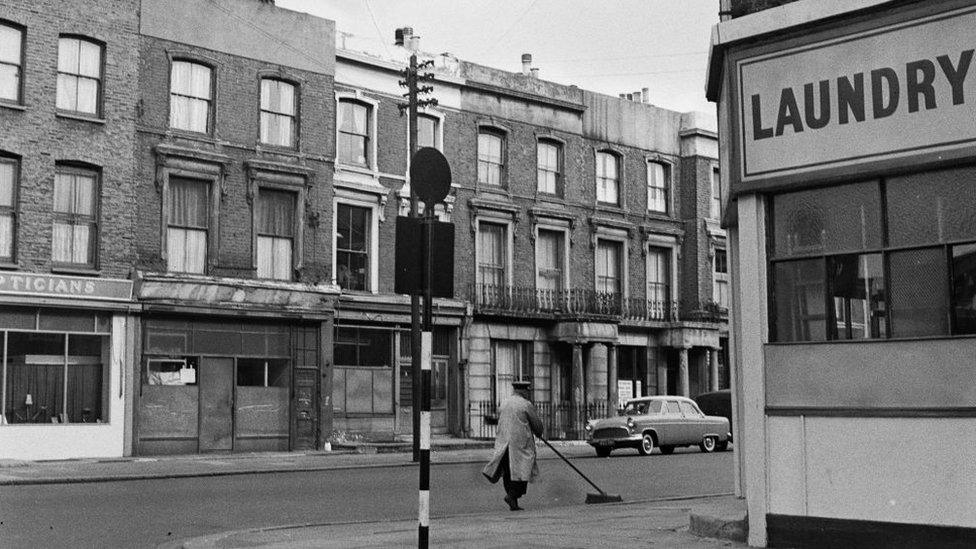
x: 67, y: 206
x: 234, y: 149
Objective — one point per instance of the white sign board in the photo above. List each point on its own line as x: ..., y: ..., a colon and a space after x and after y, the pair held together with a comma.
x: 883, y: 94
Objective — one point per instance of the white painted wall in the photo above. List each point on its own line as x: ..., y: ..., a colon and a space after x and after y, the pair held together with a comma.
x: 909, y: 470
x: 77, y: 440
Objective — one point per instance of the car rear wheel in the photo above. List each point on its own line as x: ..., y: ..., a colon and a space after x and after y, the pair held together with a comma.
x: 646, y: 445
x: 707, y: 444
x: 667, y: 449
x: 603, y: 451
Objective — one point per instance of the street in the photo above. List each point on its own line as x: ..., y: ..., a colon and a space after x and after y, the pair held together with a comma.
x: 145, y: 513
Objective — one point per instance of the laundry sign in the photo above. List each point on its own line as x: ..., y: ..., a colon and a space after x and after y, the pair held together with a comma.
x: 882, y: 94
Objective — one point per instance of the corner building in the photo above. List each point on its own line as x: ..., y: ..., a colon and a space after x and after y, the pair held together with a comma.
x: 849, y: 144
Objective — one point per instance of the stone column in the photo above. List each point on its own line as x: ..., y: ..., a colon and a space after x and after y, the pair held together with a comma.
x: 662, y: 375
x: 683, y: 381
x: 713, y: 371
x: 612, y: 376
x: 577, y: 407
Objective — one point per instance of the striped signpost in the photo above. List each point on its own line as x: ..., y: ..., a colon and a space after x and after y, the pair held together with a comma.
x: 423, y: 507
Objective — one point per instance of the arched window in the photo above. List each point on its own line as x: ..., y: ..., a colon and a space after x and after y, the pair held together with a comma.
x: 491, y: 157
x: 607, y: 178
x: 279, y: 123
x: 190, y: 96
x: 549, y: 167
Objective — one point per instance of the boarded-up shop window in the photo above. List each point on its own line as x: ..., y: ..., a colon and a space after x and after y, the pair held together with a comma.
x: 363, y: 381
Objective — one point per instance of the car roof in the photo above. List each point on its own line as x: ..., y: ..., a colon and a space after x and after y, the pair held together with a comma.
x: 659, y: 397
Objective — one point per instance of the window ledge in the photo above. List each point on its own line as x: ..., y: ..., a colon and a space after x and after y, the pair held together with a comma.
x: 80, y: 116
x: 13, y: 106
x: 192, y: 135
x: 71, y: 269
x: 277, y: 149
x: 7, y: 266
x: 610, y: 208
x: 662, y: 216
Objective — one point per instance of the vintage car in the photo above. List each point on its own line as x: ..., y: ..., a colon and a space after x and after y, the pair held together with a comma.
x: 663, y: 421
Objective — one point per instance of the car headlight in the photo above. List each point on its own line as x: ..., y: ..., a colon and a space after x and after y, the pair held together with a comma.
x: 589, y: 427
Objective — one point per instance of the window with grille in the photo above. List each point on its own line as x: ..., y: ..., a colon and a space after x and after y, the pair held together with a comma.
x: 75, y: 226
x: 188, y: 225
x: 492, y: 254
x: 79, y: 75
x: 491, y: 160
x: 276, y: 233
x: 190, y: 96
x: 549, y: 164
x: 353, y: 228
x: 888, y: 258
x: 278, y: 113
x: 608, y: 267
x: 549, y: 258
x: 607, y: 182
x: 658, y: 185
x: 11, y: 62
x: 9, y: 176
x: 354, y: 133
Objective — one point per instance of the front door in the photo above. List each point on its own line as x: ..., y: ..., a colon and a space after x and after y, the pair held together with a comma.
x: 216, y: 381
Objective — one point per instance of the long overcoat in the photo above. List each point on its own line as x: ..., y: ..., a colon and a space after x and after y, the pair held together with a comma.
x: 517, y: 423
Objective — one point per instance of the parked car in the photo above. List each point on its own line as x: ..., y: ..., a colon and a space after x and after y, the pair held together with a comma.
x: 717, y: 403
x: 663, y: 421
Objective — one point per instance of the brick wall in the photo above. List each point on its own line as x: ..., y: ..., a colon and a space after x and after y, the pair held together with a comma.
x: 40, y: 138
x: 235, y: 135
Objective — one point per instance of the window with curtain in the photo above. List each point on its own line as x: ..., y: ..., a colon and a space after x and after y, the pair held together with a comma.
x: 278, y: 108
x: 548, y: 160
x: 510, y: 361
x: 79, y: 75
x: 492, y: 254
x: 716, y: 209
x: 11, y: 60
x: 354, y: 133
x: 75, y: 228
x: 491, y: 161
x: 353, y: 239
x: 549, y: 259
x: 720, y: 278
x: 659, y: 275
x: 8, y: 208
x: 607, y: 182
x: 608, y: 267
x: 275, y: 233
x: 189, y: 224
x: 190, y: 96
x: 658, y: 183
x: 427, y: 131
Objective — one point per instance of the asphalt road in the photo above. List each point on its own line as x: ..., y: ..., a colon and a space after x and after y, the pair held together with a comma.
x: 146, y: 513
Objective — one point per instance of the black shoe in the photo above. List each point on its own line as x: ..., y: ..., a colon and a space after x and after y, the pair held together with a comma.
x: 512, y: 504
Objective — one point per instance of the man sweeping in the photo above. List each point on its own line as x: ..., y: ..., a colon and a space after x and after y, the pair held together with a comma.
x: 514, y: 459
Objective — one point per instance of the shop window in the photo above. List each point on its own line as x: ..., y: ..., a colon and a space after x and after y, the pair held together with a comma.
x: 188, y: 225
x: 75, y: 229
x: 549, y: 167
x: 260, y: 372
x: 190, y: 96
x: 918, y: 292
x: 8, y: 207
x: 354, y: 133
x: 278, y: 113
x: 55, y: 378
x: 172, y: 371
x: 825, y: 221
x: 798, y: 292
x: 362, y: 347
x: 857, y: 297
x: 353, y: 245
x: 510, y: 361
x: 607, y: 178
x: 658, y: 187
x: 79, y: 75
x: 11, y: 62
x: 276, y: 232
x: 491, y: 157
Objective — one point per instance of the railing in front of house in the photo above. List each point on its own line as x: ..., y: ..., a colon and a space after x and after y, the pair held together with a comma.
x: 558, y: 418
x: 520, y: 300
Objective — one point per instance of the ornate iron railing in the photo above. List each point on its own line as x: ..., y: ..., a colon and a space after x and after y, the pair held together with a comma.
x: 490, y: 298
x: 559, y: 420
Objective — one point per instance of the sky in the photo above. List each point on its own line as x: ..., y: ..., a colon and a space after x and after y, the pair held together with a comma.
x: 608, y: 46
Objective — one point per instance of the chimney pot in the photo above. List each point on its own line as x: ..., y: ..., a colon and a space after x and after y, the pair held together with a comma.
x: 526, y: 63
x: 535, y: 72
x: 646, y: 95
x: 637, y: 96
x: 414, y: 43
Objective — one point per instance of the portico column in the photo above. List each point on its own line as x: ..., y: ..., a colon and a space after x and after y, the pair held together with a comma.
x: 612, y: 376
x: 683, y: 381
x: 577, y: 406
x: 713, y: 371
x: 662, y: 375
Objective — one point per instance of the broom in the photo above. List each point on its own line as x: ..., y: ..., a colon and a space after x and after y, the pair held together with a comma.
x: 602, y: 497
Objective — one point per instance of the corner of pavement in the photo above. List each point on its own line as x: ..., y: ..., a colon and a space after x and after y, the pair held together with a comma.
x: 716, y: 521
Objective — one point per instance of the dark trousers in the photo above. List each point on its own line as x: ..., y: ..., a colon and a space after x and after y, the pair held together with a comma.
x: 514, y: 488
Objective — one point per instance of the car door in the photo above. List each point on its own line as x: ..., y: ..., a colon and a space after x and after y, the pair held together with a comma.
x: 669, y: 430
x: 694, y: 426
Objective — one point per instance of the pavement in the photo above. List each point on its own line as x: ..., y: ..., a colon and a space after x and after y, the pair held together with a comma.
x: 707, y: 522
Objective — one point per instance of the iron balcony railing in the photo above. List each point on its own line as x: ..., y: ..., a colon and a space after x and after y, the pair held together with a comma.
x: 559, y: 420
x: 580, y: 302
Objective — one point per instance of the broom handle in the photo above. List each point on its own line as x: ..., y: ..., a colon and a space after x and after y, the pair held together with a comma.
x: 587, y: 479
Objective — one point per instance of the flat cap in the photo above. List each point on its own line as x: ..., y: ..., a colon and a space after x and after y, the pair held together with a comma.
x: 521, y: 385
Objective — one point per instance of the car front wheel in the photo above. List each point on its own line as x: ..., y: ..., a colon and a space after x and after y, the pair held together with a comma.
x: 603, y: 451
x: 646, y: 446
x: 707, y: 444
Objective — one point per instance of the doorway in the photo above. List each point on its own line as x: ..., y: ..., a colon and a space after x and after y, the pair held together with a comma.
x: 216, y: 404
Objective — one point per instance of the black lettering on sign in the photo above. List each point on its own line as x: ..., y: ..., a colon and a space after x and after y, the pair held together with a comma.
x: 758, y: 132
x: 956, y: 75
x: 850, y: 97
x: 923, y: 86
x: 789, y: 112
x: 815, y: 122
x: 880, y: 108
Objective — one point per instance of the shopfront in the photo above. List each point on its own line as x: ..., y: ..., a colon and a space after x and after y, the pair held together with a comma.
x: 849, y: 134
x: 64, y: 345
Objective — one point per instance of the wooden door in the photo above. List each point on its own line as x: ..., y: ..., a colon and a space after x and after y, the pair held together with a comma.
x: 216, y: 382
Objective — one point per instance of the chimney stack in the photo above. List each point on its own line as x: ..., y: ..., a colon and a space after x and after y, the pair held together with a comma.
x: 535, y: 72
x: 646, y: 95
x: 526, y: 63
x: 637, y: 96
x: 402, y: 36
x: 414, y: 43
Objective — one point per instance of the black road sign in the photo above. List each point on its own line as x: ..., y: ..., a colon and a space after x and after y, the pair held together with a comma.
x: 430, y: 175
